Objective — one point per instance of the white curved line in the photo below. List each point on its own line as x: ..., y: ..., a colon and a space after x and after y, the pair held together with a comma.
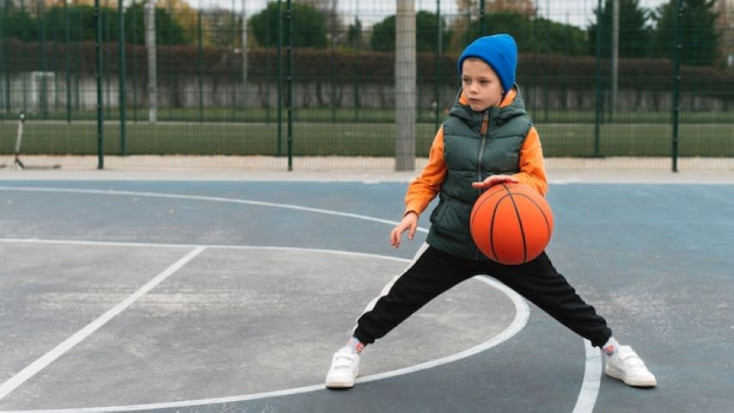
x: 592, y: 369
x: 201, y: 198
x: 592, y: 380
x: 521, y: 316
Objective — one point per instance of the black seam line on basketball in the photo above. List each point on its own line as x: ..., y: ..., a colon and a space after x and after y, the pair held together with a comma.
x: 474, y: 214
x: 491, y: 225
x: 494, y: 214
x: 522, y: 230
x: 537, y: 205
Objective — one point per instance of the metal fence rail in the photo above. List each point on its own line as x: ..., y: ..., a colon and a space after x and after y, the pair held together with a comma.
x: 324, y: 78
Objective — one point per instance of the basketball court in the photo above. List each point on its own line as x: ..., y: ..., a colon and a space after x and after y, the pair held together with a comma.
x: 180, y: 292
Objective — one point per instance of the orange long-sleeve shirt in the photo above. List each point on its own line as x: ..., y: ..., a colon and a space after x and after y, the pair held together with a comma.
x: 426, y: 186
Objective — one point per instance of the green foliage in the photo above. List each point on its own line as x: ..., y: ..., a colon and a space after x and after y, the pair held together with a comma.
x: 539, y: 35
x: 354, y: 34
x: 309, y: 26
x: 19, y: 24
x: 699, y: 38
x: 634, y: 34
x: 168, y: 31
x: 383, y: 33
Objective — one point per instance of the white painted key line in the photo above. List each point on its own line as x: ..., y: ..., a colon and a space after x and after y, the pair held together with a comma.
x: 48, y: 358
x: 592, y: 370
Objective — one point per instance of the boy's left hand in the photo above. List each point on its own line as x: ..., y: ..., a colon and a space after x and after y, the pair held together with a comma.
x: 494, y: 180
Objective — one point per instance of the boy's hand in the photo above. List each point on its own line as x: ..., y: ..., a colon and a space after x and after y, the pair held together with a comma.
x: 408, y: 223
x: 494, y: 180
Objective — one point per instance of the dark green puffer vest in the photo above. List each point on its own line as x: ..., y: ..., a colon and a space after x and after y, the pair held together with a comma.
x: 471, y: 157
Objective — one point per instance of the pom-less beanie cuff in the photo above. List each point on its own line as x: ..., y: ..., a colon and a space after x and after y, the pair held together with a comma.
x: 499, y: 51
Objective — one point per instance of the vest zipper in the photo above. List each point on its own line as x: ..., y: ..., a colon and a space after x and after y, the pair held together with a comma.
x: 483, y: 133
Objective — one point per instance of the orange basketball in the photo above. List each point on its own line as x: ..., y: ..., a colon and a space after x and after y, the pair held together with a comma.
x: 511, y: 223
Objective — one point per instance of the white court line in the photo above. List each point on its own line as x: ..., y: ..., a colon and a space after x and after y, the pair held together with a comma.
x: 589, y: 389
x: 522, y: 313
x: 48, y: 358
x: 200, y: 198
x: 592, y: 380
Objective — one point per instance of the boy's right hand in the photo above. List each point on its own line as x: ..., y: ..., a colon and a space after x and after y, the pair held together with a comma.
x: 408, y: 223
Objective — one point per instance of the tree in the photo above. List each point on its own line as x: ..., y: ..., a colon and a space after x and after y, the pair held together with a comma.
x: 383, y: 33
x: 221, y: 28
x: 309, y: 26
x: 168, y: 30
x: 699, y: 37
x: 354, y: 34
x: 538, y: 35
x: 83, y: 24
x: 634, y: 33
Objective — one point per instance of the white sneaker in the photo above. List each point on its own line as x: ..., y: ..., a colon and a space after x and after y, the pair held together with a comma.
x: 627, y: 366
x: 344, y: 369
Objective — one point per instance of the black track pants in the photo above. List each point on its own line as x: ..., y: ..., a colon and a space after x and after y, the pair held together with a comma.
x: 434, y: 272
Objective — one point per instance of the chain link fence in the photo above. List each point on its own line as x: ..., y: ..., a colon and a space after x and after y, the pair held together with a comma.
x: 286, y: 84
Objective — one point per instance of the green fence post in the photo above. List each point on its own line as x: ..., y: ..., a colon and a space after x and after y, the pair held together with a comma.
x: 106, y: 39
x: 3, y: 53
x: 42, y: 104
x: 98, y: 73
x: 289, y: 78
x: 231, y: 66
x: 481, y: 18
x: 676, y: 86
x: 200, y: 57
x: 597, y: 86
x: 437, y: 71
x: 121, y: 71
x: 279, y: 70
x: 24, y: 79
x: 134, y: 30
x: 357, y: 80
x: 67, y: 41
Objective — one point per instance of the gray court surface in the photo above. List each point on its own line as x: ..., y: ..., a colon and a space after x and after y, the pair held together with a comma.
x: 179, y: 293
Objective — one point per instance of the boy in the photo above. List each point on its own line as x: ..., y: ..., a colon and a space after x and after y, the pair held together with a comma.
x: 487, y: 139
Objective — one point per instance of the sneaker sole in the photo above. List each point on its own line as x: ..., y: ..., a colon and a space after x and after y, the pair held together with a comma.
x: 630, y: 382
x: 339, y: 384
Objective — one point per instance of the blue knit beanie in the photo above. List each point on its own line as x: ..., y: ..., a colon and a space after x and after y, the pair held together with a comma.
x: 499, y: 51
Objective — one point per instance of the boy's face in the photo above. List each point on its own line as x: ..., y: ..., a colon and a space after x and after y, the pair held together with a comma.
x: 482, y: 87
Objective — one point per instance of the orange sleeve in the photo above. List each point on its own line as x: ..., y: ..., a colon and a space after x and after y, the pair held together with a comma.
x: 424, y: 188
x: 532, y: 163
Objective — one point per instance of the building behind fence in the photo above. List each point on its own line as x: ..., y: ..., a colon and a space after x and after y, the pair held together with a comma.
x: 270, y: 80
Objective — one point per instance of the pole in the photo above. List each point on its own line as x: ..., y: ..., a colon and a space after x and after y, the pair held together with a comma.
x: 597, y: 86
x: 200, y: 59
x: 121, y: 70
x: 279, y: 69
x: 289, y: 103
x: 67, y: 40
x: 437, y: 78
x: 676, y: 85
x: 405, y: 85
x: 243, y: 93
x: 8, y: 103
x: 43, y: 97
x: 135, y: 59
x: 615, y: 57
x: 98, y: 74
x: 481, y: 17
x: 150, y: 44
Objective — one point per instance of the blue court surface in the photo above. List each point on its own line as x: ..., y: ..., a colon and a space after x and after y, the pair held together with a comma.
x: 172, y: 294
